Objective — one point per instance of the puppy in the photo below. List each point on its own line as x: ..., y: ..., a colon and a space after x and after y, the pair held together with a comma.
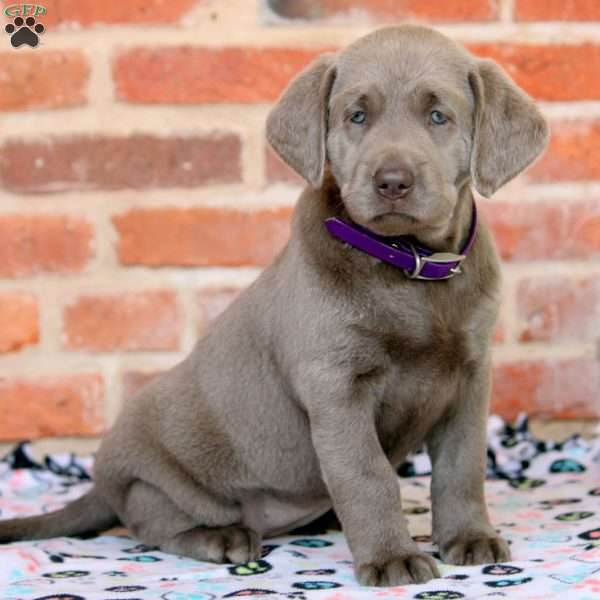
x: 367, y: 336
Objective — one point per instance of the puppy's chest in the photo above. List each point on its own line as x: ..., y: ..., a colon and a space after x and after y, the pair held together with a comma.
x: 423, y: 361
x: 440, y: 323
x: 427, y: 338
x: 422, y: 370
x: 418, y: 385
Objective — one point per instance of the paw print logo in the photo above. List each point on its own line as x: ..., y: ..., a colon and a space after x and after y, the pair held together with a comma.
x: 316, y: 572
x: 591, y: 535
x: 566, y: 465
x: 254, y: 567
x: 500, y: 583
x: 574, y: 516
x: 439, y: 595
x: 312, y: 543
x: 416, y: 510
x: 65, y: 574
x: 316, y: 585
x: 524, y: 485
x: 553, y: 503
x: 497, y: 569
x: 24, y: 31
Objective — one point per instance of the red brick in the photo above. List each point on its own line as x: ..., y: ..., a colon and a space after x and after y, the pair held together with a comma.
x: 560, y: 389
x: 557, y: 10
x: 47, y: 79
x: 573, y: 153
x: 201, y: 236
x: 557, y: 72
x: 278, y: 172
x: 196, y: 75
x: 90, y: 12
x: 213, y: 301
x: 147, y: 320
x: 545, y: 230
x: 105, y: 163
x: 499, y: 336
x: 202, y: 75
x: 387, y: 10
x: 134, y: 381
x: 30, y: 245
x: 19, y: 324
x: 51, y: 406
x: 557, y: 309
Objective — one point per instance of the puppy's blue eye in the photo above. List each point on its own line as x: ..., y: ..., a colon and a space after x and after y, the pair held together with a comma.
x: 438, y: 118
x: 358, y: 117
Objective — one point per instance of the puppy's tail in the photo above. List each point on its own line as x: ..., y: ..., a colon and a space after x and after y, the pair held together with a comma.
x: 88, y: 514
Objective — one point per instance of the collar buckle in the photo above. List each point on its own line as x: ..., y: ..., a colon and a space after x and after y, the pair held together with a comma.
x: 436, y: 257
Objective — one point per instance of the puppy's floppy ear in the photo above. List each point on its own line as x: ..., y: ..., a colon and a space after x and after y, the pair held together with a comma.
x: 509, y: 130
x: 297, y: 125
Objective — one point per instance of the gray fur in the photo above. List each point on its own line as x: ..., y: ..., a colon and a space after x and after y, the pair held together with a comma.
x: 317, y: 381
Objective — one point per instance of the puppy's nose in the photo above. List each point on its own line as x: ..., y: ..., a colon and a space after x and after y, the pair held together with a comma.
x: 393, y: 184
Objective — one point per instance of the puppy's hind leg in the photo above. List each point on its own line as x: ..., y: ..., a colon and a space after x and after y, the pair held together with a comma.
x: 156, y: 520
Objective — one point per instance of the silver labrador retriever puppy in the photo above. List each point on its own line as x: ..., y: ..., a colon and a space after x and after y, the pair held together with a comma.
x: 315, y: 384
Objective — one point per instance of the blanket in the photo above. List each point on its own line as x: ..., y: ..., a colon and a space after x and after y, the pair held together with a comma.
x: 544, y: 497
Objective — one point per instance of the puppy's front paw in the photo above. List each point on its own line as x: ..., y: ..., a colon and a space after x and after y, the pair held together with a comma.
x: 415, y: 567
x: 475, y: 550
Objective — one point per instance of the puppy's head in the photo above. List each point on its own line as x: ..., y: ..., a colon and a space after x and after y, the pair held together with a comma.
x: 404, y: 118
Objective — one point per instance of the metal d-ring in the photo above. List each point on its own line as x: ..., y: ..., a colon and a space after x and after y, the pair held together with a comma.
x: 436, y: 257
x: 419, y: 264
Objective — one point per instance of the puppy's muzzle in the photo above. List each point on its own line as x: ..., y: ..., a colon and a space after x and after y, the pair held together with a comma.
x: 393, y: 183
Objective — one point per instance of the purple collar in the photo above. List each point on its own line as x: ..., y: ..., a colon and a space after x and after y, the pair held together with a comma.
x: 402, y: 252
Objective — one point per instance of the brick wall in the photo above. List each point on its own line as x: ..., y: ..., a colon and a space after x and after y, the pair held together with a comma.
x: 137, y: 195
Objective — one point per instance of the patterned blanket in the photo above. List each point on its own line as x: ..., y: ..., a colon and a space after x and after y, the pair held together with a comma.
x: 544, y: 497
